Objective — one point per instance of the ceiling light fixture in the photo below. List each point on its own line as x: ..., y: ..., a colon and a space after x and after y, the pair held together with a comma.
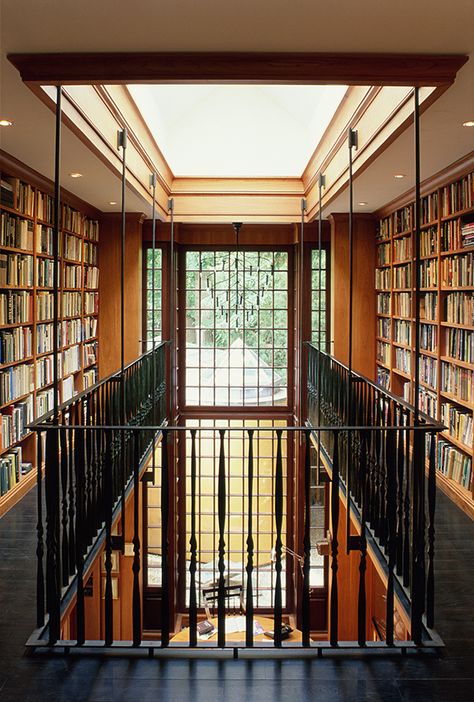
x: 362, y: 204
x: 112, y: 202
x: 469, y: 123
x: 76, y: 175
x: 6, y: 123
x: 399, y: 175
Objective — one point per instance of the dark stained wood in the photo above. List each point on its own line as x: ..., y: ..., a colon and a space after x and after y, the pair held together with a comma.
x: 236, y: 67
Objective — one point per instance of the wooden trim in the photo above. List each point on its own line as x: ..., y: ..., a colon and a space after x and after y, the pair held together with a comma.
x: 447, y: 175
x: 10, y: 164
x: 238, y: 67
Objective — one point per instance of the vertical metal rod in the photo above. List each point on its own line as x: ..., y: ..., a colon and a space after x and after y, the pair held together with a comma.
x: 79, y: 464
x: 40, y: 531
x: 136, y: 597
x: 193, y: 548
x: 300, y: 311
x: 221, y: 565
x: 172, y: 309
x: 278, y: 541
x: 153, y: 316
x: 122, y: 143
x: 57, y: 234
x: 305, y: 618
x: 334, y: 604
x: 416, y: 118
x: 249, y: 609
x: 165, y: 597
x: 352, y: 143
x: 431, y: 534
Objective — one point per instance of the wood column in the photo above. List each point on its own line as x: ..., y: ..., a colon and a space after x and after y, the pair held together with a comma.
x: 109, y: 290
x: 364, y: 300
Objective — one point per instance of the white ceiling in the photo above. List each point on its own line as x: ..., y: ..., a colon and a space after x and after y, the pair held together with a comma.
x: 241, y: 131
x: 424, y: 26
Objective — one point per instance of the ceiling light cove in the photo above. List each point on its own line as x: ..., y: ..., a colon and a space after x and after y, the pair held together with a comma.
x: 469, y: 123
x: 6, y: 122
x: 243, y: 131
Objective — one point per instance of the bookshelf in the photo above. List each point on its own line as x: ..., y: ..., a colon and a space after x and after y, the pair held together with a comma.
x: 26, y: 318
x: 447, y: 319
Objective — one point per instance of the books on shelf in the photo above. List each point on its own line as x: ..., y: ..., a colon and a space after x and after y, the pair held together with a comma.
x: 44, y: 338
x: 402, y: 332
x: 45, y: 207
x: 401, y: 249
x: 71, y: 332
x: 44, y: 368
x: 383, y: 353
x: 429, y: 337
x: 458, y: 421
x: 429, y: 208
x: 44, y: 239
x: 406, y: 393
x: 403, y: 219
x: 450, y: 235
x: 7, y: 196
x: 90, y: 327
x: 383, y: 327
x: 459, y: 308
x: 44, y: 401
x: 383, y: 277
x: 45, y: 273
x: 16, y: 232
x: 44, y: 306
x: 91, y: 277
x: 383, y: 254
x: 72, y: 220
x: 402, y: 276
x: 402, y: 304
x: 454, y: 464
x: 429, y: 371
x: 71, y: 359
x: 72, y: 304
x: 429, y: 306
x: 72, y: 276
x: 10, y: 469
x: 16, y: 194
x: 429, y: 273
x: 427, y: 402
x: 91, y: 303
x: 90, y: 354
x: 457, y: 196
x: 457, y: 271
x: 383, y: 378
x: 460, y: 344
x: 14, y: 420
x: 403, y: 360
x: 16, y: 269
x: 91, y: 229
x: 383, y: 303
x: 467, y: 235
x: 15, y: 344
x: 68, y: 388
x: 72, y: 248
x: 16, y: 307
x: 90, y: 377
x: 16, y: 382
x: 457, y: 381
x: 429, y: 241
x: 90, y: 253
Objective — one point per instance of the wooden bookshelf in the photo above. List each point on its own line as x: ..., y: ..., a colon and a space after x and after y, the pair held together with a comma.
x: 26, y: 310
x: 447, y: 323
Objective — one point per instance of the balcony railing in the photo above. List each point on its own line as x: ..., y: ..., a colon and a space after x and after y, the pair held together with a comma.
x: 370, y: 445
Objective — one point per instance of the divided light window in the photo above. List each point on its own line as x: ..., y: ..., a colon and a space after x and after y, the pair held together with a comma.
x: 319, y: 311
x: 236, y: 328
x: 156, y: 325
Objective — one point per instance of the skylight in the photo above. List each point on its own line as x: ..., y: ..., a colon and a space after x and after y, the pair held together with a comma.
x: 244, y: 131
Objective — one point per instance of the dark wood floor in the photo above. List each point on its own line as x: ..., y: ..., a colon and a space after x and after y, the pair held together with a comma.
x: 419, y: 677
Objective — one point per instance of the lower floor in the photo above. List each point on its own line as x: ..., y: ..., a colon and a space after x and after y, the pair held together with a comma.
x: 419, y: 676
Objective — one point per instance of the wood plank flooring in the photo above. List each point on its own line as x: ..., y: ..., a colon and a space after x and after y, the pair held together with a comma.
x: 420, y: 677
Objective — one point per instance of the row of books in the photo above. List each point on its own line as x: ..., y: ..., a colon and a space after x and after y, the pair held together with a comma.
x: 402, y: 276
x: 44, y: 306
x: 385, y: 228
x: 89, y: 377
x: 15, y: 344
x: 72, y: 304
x: 71, y: 360
x: 45, y: 273
x: 383, y: 278
x: 383, y: 327
x: 91, y: 229
x: 403, y: 360
x: 91, y: 303
x: 16, y: 382
x: 406, y: 391
x: 383, y: 254
x: 457, y: 270
x: 429, y: 337
x: 402, y: 304
x: 429, y: 306
x: 44, y: 369
x: 459, y: 422
x: 383, y: 303
x: 14, y: 420
x: 90, y: 253
x: 427, y: 402
x: 71, y: 332
x: 429, y: 371
x: 16, y: 269
x: 429, y: 208
x: 457, y: 381
x: 44, y: 401
x: 72, y: 219
x: 460, y: 344
x: 451, y: 235
x: 454, y: 465
x: 459, y: 308
x: 383, y: 353
x: 402, y: 332
x: 429, y: 242
x: 12, y: 468
x: 402, y: 249
x: 383, y: 378
x: 16, y: 307
x: 16, y: 232
x: 429, y: 273
x: 72, y: 247
x: 44, y: 239
x: 91, y: 278
x: 72, y: 276
x: 44, y: 338
x: 467, y: 235
x: 89, y: 354
x: 45, y: 207
x: 403, y: 219
x: 17, y: 195
x: 457, y: 196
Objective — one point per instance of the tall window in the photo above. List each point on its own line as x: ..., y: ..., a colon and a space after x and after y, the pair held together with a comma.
x: 319, y: 311
x: 153, y: 323
x: 236, y: 328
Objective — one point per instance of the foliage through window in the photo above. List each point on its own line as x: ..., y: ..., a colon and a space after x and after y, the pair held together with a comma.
x: 153, y: 321
x: 318, y: 303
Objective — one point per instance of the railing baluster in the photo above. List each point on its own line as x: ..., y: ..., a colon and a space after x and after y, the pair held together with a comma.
x: 431, y: 534
x: 400, y: 475
x: 278, y: 541
x: 64, y: 505
x: 406, y: 506
x: 306, y: 612
x: 334, y: 605
x: 52, y: 535
x: 193, y: 548
x: 72, y: 494
x: 418, y: 537
x: 40, y: 533
x: 108, y: 491
x: 165, y: 596
x: 221, y: 500
x: 249, y: 609
x: 362, y: 597
x: 392, y: 529
x: 79, y: 441
x: 136, y: 608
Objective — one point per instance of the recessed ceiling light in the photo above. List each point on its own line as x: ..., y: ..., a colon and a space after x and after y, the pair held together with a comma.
x: 469, y: 123
x: 112, y: 202
x: 399, y: 175
x: 76, y: 175
x: 6, y: 123
x: 362, y: 203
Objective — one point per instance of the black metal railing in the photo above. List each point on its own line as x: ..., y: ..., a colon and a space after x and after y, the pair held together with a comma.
x: 89, y: 463
x: 378, y: 457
